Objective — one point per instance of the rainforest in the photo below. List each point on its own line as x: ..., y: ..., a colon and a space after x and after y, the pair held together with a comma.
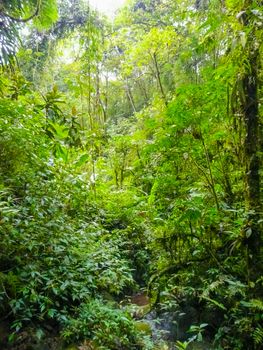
x: 131, y: 152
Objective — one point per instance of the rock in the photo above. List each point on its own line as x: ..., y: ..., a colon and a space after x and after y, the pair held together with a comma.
x: 187, y: 317
x: 144, y: 327
x: 161, y: 325
x: 72, y: 347
x: 4, y: 331
x: 140, y: 299
x: 173, y: 325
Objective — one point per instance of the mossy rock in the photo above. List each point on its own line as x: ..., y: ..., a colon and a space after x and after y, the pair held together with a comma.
x: 143, y: 327
x: 72, y: 347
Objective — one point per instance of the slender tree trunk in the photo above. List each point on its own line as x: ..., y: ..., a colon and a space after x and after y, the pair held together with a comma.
x: 142, y: 87
x: 106, y: 100
x: 158, y: 77
x: 212, y: 181
x: 82, y: 120
x: 129, y: 95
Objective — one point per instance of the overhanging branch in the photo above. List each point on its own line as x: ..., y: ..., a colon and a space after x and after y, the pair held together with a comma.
x: 22, y: 20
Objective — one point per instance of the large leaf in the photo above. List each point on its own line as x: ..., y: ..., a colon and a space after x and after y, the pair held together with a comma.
x: 48, y: 14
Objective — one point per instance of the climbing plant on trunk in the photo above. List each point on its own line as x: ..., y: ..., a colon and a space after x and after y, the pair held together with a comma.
x: 248, y: 80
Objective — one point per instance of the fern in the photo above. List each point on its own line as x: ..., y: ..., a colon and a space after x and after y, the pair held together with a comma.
x: 258, y: 335
x: 221, y: 306
x: 181, y: 345
x: 256, y: 304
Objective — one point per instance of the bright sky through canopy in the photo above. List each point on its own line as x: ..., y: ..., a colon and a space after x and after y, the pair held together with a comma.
x: 108, y: 7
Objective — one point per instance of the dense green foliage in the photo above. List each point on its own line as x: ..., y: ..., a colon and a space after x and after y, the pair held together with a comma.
x: 130, y: 159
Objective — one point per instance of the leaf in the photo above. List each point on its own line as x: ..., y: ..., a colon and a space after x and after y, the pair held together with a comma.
x: 243, y: 39
x: 192, y: 214
x: 39, y: 333
x: 248, y: 232
x: 203, y: 325
x: 48, y: 14
x: 83, y: 159
x: 221, y: 306
x: 240, y: 14
x: 199, y: 337
x: 51, y: 313
x: 61, y: 132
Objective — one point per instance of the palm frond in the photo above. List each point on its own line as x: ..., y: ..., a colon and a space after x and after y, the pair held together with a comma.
x: 15, y: 12
x: 9, y: 40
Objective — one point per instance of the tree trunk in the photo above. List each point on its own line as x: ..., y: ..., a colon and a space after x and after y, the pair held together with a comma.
x: 251, y: 120
x: 158, y: 78
x: 129, y: 96
x: 250, y: 112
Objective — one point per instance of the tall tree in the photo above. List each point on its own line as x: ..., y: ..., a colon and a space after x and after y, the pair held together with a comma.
x: 250, y: 31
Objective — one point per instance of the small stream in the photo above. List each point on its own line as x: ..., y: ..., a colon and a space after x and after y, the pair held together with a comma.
x: 165, y: 328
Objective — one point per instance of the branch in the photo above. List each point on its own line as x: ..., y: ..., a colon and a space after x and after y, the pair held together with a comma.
x: 23, y: 20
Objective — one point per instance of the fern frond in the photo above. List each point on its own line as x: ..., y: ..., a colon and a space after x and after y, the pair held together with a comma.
x: 258, y: 335
x: 256, y: 304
